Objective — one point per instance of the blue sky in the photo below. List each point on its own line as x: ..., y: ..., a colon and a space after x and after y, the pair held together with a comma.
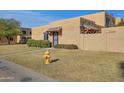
x: 32, y: 18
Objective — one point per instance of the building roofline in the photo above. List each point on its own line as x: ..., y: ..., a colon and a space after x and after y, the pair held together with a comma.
x: 66, y: 19
x: 78, y: 17
x: 40, y: 26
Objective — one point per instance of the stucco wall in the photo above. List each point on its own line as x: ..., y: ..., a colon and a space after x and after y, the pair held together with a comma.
x: 70, y: 31
x: 37, y: 32
x: 111, y: 39
x: 115, y: 39
x: 98, y: 18
x: 18, y: 39
x: 118, y: 20
x: 95, y: 42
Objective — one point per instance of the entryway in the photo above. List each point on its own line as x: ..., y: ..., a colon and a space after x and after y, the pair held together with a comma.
x: 55, y: 38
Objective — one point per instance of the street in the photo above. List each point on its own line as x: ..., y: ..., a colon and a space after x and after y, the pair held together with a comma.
x: 11, y: 72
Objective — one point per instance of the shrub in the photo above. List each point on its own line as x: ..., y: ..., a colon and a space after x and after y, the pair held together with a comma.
x: 39, y: 43
x: 120, y: 24
x: 66, y: 46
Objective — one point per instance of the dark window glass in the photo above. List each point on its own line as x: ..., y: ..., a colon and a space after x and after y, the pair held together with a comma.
x: 30, y: 33
x: 108, y: 22
x: 45, y: 36
x: 23, y: 32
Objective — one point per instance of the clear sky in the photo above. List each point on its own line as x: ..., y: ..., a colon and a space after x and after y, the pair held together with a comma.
x: 32, y: 18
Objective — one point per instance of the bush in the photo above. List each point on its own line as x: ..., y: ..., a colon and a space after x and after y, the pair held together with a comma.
x: 120, y: 24
x: 67, y: 46
x: 39, y: 43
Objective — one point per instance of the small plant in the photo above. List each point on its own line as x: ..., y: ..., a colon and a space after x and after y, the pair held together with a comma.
x: 66, y: 46
x: 39, y: 43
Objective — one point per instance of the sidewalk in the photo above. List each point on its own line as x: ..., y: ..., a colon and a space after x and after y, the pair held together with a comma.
x: 11, y: 72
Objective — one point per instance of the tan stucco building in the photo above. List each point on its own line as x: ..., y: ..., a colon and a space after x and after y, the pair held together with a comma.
x: 25, y: 35
x: 118, y: 20
x: 88, y: 32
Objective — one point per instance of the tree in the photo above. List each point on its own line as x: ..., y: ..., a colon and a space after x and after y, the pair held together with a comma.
x: 9, y: 28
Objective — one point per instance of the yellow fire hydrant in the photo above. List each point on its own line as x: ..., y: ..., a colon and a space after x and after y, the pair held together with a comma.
x: 47, y: 57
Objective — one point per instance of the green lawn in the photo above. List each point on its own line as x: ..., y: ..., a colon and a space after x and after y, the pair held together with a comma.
x: 72, y: 65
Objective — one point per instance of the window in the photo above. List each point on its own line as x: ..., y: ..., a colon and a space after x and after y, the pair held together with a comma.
x: 89, y: 30
x: 46, y: 36
x: 23, y: 32
x: 30, y: 33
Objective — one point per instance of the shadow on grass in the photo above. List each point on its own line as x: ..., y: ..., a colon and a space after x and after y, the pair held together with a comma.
x: 54, y: 60
x: 121, y: 66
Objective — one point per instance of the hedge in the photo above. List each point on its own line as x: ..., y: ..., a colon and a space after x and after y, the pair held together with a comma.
x: 39, y: 43
x: 66, y: 46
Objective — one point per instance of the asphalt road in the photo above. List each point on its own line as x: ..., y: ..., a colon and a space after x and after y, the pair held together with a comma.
x: 11, y: 72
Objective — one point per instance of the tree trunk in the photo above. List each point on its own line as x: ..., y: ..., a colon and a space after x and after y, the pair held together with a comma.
x: 8, y: 39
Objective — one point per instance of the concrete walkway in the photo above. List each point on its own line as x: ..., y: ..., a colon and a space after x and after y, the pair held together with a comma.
x: 11, y: 72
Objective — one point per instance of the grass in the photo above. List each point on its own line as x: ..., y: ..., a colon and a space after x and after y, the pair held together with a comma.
x: 71, y: 65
